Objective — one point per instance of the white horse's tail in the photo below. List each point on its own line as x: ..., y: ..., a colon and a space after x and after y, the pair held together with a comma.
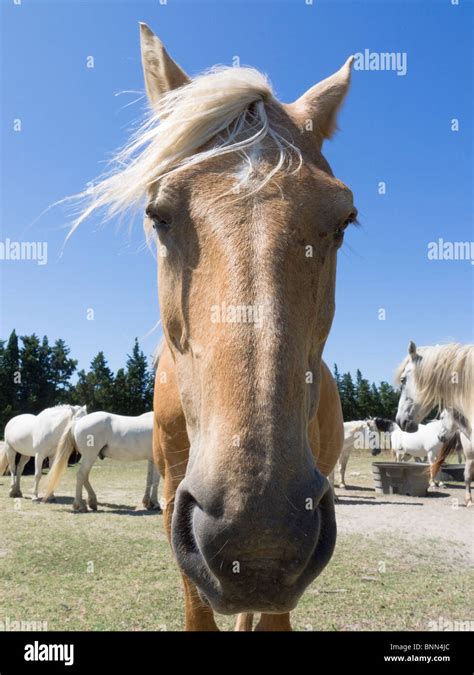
x: 66, y: 447
x: 3, y: 457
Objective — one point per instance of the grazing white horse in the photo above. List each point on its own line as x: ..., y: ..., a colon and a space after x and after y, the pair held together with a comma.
x: 358, y: 434
x: 441, y: 375
x: 426, y: 443
x: 35, y: 436
x: 103, y: 434
x: 468, y: 451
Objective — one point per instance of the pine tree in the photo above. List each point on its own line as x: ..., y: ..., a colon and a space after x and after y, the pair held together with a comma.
x: 121, y: 393
x: 377, y: 408
x: 33, y: 389
x: 388, y: 400
x: 363, y: 397
x: 102, y: 381
x: 138, y: 377
x: 83, y: 391
x: 96, y: 388
x: 9, y: 379
x: 348, y: 397
x: 62, y: 369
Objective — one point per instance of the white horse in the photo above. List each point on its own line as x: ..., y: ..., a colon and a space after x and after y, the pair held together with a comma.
x: 35, y: 436
x: 103, y: 434
x: 357, y: 434
x: 468, y: 451
x: 426, y: 443
x: 441, y: 375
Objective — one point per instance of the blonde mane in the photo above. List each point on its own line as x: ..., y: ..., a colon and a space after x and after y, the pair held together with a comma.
x: 444, y: 377
x: 227, y: 104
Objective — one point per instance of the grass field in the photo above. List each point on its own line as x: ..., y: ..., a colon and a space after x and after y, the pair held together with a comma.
x: 113, y: 570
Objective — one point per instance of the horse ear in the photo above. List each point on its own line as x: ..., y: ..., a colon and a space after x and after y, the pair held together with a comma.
x: 161, y: 73
x: 317, y: 109
x: 412, y: 350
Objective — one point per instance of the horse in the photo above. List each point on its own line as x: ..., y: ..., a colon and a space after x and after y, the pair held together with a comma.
x: 103, y: 434
x: 426, y: 443
x: 248, y: 218
x: 357, y: 434
x: 468, y: 451
x: 35, y: 436
x: 440, y: 375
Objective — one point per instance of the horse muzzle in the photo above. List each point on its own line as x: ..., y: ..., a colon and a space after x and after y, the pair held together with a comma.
x: 263, y: 559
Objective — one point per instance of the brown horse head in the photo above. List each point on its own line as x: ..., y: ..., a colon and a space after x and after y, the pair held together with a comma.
x: 249, y: 218
x: 248, y: 239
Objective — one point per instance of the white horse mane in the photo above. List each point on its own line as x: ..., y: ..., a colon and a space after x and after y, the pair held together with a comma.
x: 227, y: 104
x: 444, y: 376
x: 61, y: 405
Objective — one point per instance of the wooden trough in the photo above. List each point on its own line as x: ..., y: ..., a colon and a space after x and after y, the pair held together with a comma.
x: 401, y: 478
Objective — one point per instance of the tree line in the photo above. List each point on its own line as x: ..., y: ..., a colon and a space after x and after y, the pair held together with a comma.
x: 35, y: 375
x: 360, y: 399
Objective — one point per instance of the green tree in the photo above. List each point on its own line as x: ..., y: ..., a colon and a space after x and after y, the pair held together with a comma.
x: 9, y: 379
x: 364, y: 399
x: 62, y: 368
x: 347, y: 393
x: 121, y: 393
x: 35, y: 387
x: 96, y: 388
x: 138, y: 382
x: 388, y: 400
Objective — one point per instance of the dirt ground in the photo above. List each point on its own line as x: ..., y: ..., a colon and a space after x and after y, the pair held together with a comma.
x: 440, y: 517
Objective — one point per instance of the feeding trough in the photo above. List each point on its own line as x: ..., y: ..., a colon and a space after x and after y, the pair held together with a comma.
x: 453, y: 472
x: 401, y: 478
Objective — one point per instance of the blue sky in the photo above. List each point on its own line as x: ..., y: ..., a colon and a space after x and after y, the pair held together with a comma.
x: 394, y: 128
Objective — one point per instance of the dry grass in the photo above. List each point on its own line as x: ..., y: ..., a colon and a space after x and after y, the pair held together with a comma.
x: 113, y: 570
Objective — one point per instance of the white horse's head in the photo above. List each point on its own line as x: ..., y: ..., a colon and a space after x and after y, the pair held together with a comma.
x: 448, y: 426
x: 410, y: 412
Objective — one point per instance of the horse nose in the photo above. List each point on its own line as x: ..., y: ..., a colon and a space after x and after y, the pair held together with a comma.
x: 260, y: 558
x: 406, y: 424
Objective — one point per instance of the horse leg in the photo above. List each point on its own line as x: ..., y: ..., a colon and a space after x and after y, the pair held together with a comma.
x: 82, y: 479
x: 155, y: 504
x: 468, y: 476
x: 274, y: 622
x: 91, y: 495
x: 19, y: 471
x: 15, y: 485
x: 244, y: 622
x: 39, y: 459
x: 150, y: 499
x: 342, y: 468
x: 146, y: 501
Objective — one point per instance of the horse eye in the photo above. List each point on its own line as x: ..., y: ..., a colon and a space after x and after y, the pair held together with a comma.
x: 340, y: 230
x: 403, y: 380
x: 160, y: 222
